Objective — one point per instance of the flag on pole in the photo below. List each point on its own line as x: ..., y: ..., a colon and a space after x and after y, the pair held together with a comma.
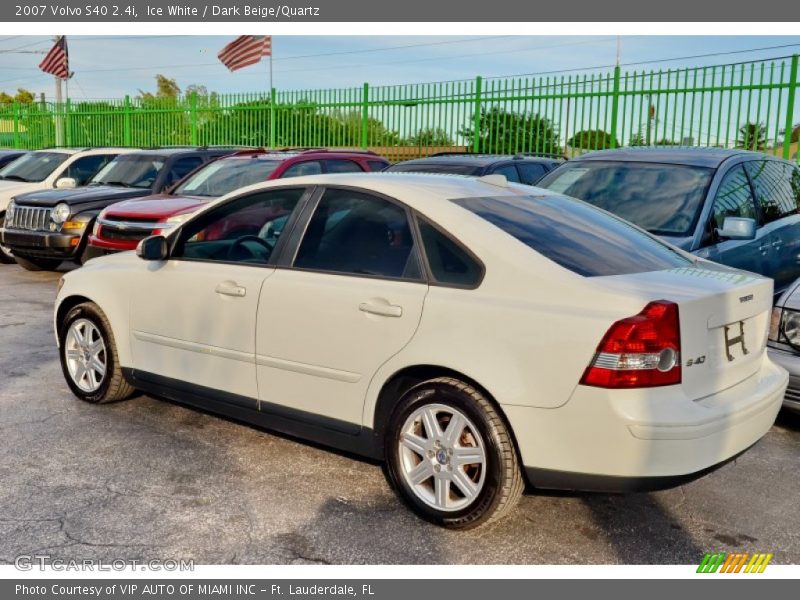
x: 57, y: 60
x: 245, y: 50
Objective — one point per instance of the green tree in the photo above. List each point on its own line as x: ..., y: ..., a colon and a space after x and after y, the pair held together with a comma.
x: 22, y: 96
x: 431, y: 137
x: 637, y: 139
x: 592, y: 139
x: 752, y: 136
x: 503, y: 131
x: 165, y: 88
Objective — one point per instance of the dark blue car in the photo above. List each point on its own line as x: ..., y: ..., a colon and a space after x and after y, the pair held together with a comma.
x: 734, y: 207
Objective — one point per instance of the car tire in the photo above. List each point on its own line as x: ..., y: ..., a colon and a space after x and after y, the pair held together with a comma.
x: 6, y: 256
x: 86, y: 343
x: 31, y: 263
x: 460, y: 478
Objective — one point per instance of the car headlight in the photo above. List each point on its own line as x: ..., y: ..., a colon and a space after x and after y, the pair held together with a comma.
x: 788, y: 326
x: 60, y: 213
x: 10, y: 209
x: 173, y: 222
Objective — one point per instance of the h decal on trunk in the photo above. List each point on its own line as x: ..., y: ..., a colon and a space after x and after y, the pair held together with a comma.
x: 730, y: 342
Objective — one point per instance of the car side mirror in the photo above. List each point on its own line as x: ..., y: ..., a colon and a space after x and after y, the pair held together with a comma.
x: 153, y: 248
x: 66, y: 183
x: 738, y: 228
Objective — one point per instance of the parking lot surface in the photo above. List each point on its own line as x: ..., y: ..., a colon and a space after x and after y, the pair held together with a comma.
x: 148, y: 479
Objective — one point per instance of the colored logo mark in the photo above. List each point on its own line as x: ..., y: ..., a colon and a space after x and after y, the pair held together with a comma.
x: 741, y: 562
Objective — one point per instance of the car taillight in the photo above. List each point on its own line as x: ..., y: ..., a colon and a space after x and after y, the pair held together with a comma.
x: 640, y: 351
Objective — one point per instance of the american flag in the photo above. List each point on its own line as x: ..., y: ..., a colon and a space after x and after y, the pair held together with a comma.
x: 57, y: 60
x: 245, y: 50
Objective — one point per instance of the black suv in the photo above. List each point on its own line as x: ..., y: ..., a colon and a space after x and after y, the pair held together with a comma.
x: 520, y: 168
x: 46, y: 227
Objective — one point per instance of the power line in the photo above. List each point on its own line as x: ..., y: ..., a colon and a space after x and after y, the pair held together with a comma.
x: 8, y: 50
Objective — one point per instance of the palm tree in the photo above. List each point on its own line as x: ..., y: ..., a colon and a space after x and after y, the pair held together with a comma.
x: 752, y: 136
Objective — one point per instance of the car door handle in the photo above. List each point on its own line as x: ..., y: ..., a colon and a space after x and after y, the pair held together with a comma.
x: 763, y: 248
x: 381, y: 307
x: 230, y: 288
x: 777, y: 244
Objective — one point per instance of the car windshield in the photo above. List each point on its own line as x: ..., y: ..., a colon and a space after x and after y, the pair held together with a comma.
x: 35, y: 166
x: 575, y: 235
x: 454, y: 169
x: 661, y: 198
x: 130, y: 170
x: 225, y: 175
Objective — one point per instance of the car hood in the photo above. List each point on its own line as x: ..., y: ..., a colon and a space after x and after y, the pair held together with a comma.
x: 791, y: 297
x: 156, y: 207
x: 82, y: 195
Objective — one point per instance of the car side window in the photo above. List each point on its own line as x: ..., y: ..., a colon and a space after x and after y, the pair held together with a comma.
x: 734, y: 198
x: 309, y: 167
x: 448, y: 261
x: 377, y: 165
x: 245, y: 230
x: 342, y: 166
x: 510, y: 171
x: 182, y: 167
x: 357, y: 233
x: 83, y: 169
x: 777, y: 188
x: 530, y: 172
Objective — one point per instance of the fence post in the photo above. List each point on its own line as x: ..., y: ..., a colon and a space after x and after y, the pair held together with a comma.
x: 787, y: 135
x: 67, y: 125
x: 365, y: 118
x: 126, y: 122
x: 193, y: 116
x: 615, y: 107
x: 476, y: 124
x: 15, y: 107
x: 273, y: 135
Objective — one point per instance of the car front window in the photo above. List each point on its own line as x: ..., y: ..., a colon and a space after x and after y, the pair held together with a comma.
x: 664, y: 199
x: 33, y: 167
x: 130, y: 170
x: 223, y: 176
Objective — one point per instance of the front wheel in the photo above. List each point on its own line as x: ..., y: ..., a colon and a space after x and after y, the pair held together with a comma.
x: 450, y: 455
x: 31, y: 263
x: 89, y: 357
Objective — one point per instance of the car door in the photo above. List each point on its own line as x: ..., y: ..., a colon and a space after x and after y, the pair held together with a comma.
x: 193, y: 317
x: 777, y: 188
x: 734, y: 198
x: 349, y: 299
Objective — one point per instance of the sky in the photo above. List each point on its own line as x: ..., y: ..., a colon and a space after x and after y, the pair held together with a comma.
x: 113, y: 66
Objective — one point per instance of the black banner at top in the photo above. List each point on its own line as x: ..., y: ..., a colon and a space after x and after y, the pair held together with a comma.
x: 265, y: 11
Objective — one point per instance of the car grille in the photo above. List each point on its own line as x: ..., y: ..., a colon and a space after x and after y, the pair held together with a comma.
x: 793, y: 394
x: 126, y: 230
x: 30, y: 218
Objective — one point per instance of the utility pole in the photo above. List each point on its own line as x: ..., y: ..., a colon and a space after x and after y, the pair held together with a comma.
x: 619, y: 48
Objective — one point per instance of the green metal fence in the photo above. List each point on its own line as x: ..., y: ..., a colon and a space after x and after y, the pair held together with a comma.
x: 750, y: 105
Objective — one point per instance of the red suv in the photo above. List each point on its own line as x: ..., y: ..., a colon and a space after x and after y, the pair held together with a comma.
x: 121, y: 226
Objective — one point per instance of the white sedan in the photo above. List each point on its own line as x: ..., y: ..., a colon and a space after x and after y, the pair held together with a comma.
x: 474, y: 334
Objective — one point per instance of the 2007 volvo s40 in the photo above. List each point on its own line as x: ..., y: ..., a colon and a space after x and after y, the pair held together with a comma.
x: 473, y: 334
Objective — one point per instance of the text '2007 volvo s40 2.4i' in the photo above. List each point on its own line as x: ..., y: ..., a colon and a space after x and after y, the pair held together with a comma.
x: 474, y: 334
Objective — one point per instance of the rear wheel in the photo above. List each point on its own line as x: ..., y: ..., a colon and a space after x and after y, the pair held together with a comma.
x: 34, y: 263
x: 450, y: 456
x: 89, y: 357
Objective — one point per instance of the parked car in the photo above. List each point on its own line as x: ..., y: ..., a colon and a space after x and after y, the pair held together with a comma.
x: 7, y: 156
x: 47, y: 227
x: 47, y: 169
x: 121, y: 226
x: 473, y: 335
x: 519, y: 168
x: 734, y: 207
x: 784, y: 342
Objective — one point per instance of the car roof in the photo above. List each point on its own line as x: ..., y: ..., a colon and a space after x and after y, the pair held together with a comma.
x: 678, y: 155
x: 310, y: 154
x: 478, y: 160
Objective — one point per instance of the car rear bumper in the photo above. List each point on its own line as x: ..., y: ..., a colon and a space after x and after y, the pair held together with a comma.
x: 791, y: 362
x: 624, y: 440
x: 45, y: 244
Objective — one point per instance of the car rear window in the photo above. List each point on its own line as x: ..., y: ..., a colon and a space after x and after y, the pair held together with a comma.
x: 663, y: 199
x: 454, y: 169
x: 575, y: 235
